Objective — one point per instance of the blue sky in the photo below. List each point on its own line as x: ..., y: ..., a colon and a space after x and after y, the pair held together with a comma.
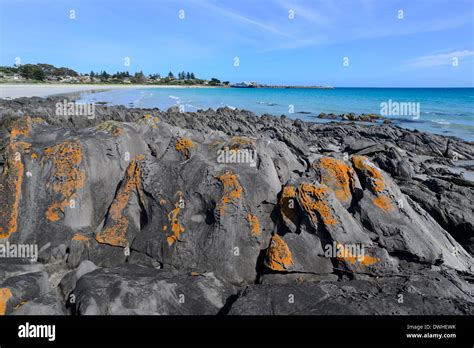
x: 309, y: 49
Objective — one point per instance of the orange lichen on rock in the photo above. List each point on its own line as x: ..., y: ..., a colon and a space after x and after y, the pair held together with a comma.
x: 114, y: 235
x: 67, y: 157
x: 287, y: 203
x: 215, y: 143
x: 12, y: 177
x: 279, y: 256
x: 10, y: 187
x: 114, y: 128
x: 364, y: 260
x: 314, y: 200
x: 22, y: 126
x: 116, y: 225
x: 67, y: 177
x: 151, y: 121
x: 384, y: 203
x: 375, y: 183
x: 176, y: 227
x: 34, y: 156
x: 337, y: 175
x: 52, y: 213
x: 132, y: 181
x: 238, y: 142
x: 5, y: 295
x: 232, y: 190
x: 288, y: 192
x: 254, y: 224
x: 81, y: 238
x: 184, y: 145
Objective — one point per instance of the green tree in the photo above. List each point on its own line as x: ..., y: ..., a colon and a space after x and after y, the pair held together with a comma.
x: 48, y: 69
x: 38, y: 74
x: 140, y: 77
x: 170, y: 75
x: 31, y: 72
x: 214, y: 82
x: 104, y: 76
x: 60, y: 72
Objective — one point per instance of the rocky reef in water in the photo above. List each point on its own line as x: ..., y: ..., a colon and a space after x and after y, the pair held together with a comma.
x: 137, y: 211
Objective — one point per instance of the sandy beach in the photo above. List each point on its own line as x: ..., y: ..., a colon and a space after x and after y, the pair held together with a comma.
x: 12, y: 91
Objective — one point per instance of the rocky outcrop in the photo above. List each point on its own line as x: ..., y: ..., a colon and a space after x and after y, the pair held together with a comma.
x: 425, y: 293
x: 133, y: 289
x: 140, y: 211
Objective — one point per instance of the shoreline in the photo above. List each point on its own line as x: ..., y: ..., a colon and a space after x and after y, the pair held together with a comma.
x: 76, y: 91
x: 104, y: 110
x: 13, y: 91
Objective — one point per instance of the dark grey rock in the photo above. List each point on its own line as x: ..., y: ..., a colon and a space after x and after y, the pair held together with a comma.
x: 147, y: 196
x: 426, y: 293
x: 47, y: 304
x: 142, y: 290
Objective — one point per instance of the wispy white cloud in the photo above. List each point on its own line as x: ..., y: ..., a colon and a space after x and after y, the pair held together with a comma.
x: 326, y: 22
x: 436, y: 60
x: 241, y: 18
x: 316, y: 15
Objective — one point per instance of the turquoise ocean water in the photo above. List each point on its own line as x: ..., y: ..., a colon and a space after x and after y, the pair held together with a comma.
x: 448, y: 111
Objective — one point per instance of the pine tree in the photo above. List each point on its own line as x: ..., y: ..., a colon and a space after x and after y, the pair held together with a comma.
x: 140, y: 77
